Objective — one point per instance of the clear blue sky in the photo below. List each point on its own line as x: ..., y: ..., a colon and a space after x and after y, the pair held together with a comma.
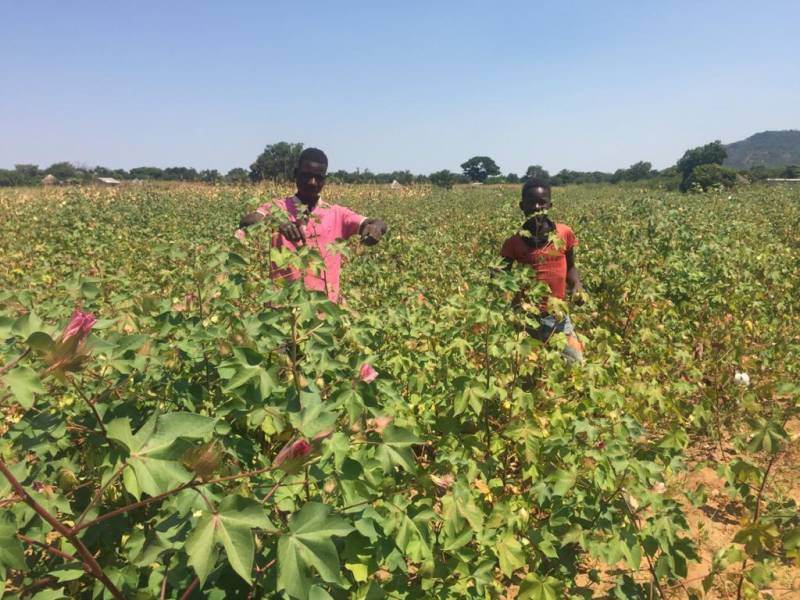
x: 392, y: 85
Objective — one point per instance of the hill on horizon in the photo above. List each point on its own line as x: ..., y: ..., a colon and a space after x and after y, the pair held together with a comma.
x: 766, y: 149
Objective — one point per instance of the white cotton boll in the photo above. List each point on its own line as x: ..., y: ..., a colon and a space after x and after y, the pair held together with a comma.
x: 660, y: 487
x: 741, y: 378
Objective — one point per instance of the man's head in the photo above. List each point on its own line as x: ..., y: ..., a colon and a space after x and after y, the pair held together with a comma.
x: 535, y: 197
x: 310, y: 173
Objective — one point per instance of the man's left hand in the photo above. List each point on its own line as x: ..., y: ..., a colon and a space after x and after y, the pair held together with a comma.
x: 372, y: 230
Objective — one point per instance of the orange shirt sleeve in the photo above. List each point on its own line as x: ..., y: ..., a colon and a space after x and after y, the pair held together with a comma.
x: 569, y: 237
x: 509, y: 249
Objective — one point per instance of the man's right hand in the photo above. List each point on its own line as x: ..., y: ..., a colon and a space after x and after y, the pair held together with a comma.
x: 292, y: 232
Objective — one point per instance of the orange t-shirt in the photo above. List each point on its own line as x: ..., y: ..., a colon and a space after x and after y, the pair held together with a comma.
x: 549, y: 261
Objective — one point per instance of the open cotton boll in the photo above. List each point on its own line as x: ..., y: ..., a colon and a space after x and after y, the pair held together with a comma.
x: 741, y: 378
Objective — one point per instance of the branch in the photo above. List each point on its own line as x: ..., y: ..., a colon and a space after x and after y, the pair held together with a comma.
x: 28, y: 540
x: 6, y: 368
x: 189, y: 484
x: 89, y: 561
x: 190, y: 589
x: 39, y: 584
x: 92, y: 406
x: 634, y: 522
x: 756, y: 515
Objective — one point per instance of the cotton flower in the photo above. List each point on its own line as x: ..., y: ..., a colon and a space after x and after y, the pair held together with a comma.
x: 659, y: 487
x: 444, y: 482
x: 239, y: 235
x: 367, y: 374
x: 80, y: 324
x: 741, y: 378
x: 292, y: 456
x: 69, y: 351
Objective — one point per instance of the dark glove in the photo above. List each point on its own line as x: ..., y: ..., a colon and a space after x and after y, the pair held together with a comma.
x: 372, y: 230
x: 250, y: 219
x: 292, y: 232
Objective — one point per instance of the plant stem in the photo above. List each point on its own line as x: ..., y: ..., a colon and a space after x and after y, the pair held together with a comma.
x: 6, y: 368
x: 756, y: 515
x: 190, y: 589
x: 100, y: 494
x: 635, y: 523
x: 189, y: 484
x: 92, y: 406
x: 51, y: 549
x: 89, y: 561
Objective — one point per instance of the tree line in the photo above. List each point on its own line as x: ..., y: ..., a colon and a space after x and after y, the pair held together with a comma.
x: 698, y: 168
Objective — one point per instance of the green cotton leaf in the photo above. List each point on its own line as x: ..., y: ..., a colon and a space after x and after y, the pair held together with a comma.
x: 242, y: 376
x: 674, y: 440
x: 537, y: 588
x: 201, y: 548
x: 767, y: 436
x: 23, y: 383
x: 314, y: 418
x: 90, y: 289
x: 155, y: 450
x: 318, y: 593
x: 237, y: 539
x: 230, y: 527
x: 40, y: 342
x: 27, y: 324
x: 68, y: 572
x: 396, y: 449
x: 510, y: 554
x: 244, y: 512
x: 19, y: 471
x: 412, y: 535
x: 563, y: 481
x: 154, y: 476
x: 11, y: 552
x: 360, y: 571
x: 309, y: 544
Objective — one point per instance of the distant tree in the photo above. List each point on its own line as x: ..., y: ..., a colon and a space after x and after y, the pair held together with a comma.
x: 153, y: 173
x: 181, y: 174
x: 638, y: 171
x: 443, y: 178
x: 404, y: 177
x: 711, y: 175
x: 536, y: 172
x: 277, y: 161
x: 27, y: 171
x: 710, y: 154
x: 791, y: 172
x: 512, y: 178
x: 237, y: 175
x: 62, y: 170
x: 10, y: 178
x: 478, y: 168
x: 210, y: 176
x: 99, y: 171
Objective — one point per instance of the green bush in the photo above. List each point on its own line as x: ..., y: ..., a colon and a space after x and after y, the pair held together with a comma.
x: 711, y: 176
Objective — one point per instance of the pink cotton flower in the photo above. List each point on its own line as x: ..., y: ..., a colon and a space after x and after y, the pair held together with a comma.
x: 239, y: 235
x: 292, y: 456
x: 80, y: 324
x: 69, y: 351
x: 367, y: 374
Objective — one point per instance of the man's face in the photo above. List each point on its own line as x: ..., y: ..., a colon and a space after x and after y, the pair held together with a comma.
x: 310, y: 179
x: 534, y: 200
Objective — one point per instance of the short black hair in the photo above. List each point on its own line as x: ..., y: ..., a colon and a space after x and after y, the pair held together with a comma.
x: 313, y: 155
x: 534, y: 183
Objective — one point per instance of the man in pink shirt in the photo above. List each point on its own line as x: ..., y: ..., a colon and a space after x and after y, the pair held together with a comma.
x: 315, y: 223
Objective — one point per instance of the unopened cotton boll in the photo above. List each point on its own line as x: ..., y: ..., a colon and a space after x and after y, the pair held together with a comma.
x: 741, y: 378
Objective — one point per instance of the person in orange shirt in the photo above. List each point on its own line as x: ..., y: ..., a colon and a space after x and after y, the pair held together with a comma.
x: 549, y: 249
